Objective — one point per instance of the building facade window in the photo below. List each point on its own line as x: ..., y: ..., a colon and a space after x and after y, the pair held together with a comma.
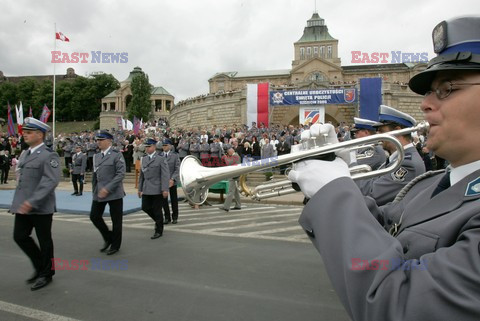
x: 309, y: 52
x: 322, y: 52
x: 329, y: 52
x: 302, y: 53
x: 315, y: 51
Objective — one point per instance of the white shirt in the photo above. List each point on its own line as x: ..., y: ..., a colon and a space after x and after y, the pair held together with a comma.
x: 32, y: 150
x: 460, y: 172
x: 106, y: 151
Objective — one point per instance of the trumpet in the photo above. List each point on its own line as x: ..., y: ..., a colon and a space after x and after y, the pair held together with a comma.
x: 196, y: 179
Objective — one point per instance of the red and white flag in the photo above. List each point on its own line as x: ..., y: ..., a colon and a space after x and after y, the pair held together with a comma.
x: 19, y: 112
x: 257, y: 104
x: 61, y: 36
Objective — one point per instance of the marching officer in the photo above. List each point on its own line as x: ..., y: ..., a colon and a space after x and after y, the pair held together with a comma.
x: 173, y: 163
x: 384, y: 188
x: 374, y: 158
x: 153, y: 185
x: 107, y: 188
x: 34, y: 201
x: 77, y: 169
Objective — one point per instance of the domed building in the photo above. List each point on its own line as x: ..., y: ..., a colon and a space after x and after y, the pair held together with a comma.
x: 115, y: 104
x: 316, y: 65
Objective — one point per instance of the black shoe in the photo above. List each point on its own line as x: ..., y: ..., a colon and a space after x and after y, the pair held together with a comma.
x: 79, y: 194
x: 156, y: 235
x: 174, y: 221
x: 105, y: 247
x: 165, y: 221
x: 41, y: 282
x: 112, y: 251
x: 74, y: 193
x: 33, y: 278
x: 236, y: 208
x: 223, y: 208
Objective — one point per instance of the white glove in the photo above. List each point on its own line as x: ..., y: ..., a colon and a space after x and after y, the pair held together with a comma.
x: 311, y: 175
x: 326, y: 131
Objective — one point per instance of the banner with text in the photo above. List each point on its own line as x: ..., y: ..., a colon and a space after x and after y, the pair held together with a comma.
x: 313, y: 97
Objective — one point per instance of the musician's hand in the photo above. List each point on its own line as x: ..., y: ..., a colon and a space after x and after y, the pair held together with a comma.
x: 312, y: 175
x: 324, y: 130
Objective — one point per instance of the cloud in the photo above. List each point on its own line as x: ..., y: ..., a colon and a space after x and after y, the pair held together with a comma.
x: 182, y: 43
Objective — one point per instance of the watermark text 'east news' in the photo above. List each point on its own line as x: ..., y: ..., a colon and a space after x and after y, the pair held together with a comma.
x: 94, y: 57
x: 394, y: 57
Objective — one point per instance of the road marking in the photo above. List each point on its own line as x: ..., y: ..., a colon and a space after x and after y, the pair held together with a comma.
x: 32, y: 313
x: 218, y: 229
x: 278, y: 230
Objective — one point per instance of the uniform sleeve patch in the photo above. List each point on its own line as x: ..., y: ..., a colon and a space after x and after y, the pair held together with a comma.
x: 54, y: 163
x: 400, y: 174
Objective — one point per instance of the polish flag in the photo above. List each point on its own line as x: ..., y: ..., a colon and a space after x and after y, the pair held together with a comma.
x: 19, y: 112
x: 61, y: 36
x: 257, y: 104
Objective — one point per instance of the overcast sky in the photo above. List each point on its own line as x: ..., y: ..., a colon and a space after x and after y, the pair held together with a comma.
x: 180, y: 44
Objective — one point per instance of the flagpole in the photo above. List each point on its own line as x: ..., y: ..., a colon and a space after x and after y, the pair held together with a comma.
x: 54, y: 80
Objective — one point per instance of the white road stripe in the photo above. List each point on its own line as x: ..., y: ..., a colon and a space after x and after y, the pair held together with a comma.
x: 263, y: 237
x: 249, y: 225
x: 234, y: 220
x: 285, y: 229
x: 32, y: 313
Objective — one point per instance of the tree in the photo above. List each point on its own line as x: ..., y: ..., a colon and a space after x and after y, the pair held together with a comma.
x: 8, y: 94
x: 140, y: 105
x: 42, y: 95
x: 25, y: 90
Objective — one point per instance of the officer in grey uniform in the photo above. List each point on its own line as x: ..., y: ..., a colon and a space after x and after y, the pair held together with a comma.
x: 153, y: 185
x: 205, y: 153
x: 67, y: 152
x: 91, y: 150
x: 383, y: 189
x: 173, y: 163
x: 34, y: 201
x: 77, y: 169
x: 107, y: 188
x: 183, y: 148
x: 427, y: 267
x: 195, y: 147
x: 375, y: 157
x: 216, y: 152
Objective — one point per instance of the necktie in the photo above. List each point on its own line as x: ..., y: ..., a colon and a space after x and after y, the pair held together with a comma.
x: 29, y: 152
x: 103, y: 155
x: 443, y: 184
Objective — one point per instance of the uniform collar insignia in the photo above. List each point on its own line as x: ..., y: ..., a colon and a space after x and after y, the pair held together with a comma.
x: 473, y: 188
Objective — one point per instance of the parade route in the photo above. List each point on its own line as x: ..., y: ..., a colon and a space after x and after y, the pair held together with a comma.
x: 193, y: 272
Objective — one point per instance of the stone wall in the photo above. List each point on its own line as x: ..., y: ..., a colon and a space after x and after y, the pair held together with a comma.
x: 108, y: 119
x: 222, y: 109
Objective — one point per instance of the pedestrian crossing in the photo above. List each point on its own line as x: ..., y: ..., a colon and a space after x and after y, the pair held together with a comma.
x: 254, y: 220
